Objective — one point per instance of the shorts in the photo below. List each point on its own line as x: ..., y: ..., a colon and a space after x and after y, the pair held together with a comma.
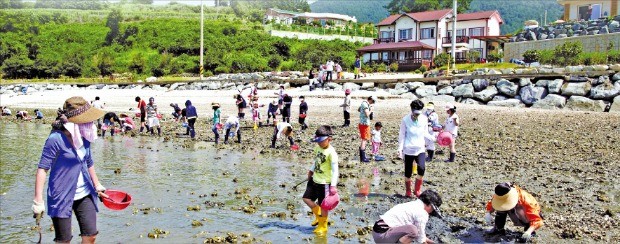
x: 364, y: 131
x: 108, y: 122
x: 86, y: 215
x: 315, y: 192
x: 142, y: 117
x: 183, y: 112
x: 280, y: 101
x: 153, y: 122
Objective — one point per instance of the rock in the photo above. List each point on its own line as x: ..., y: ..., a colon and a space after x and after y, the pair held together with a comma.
x: 487, y: 94
x: 600, y: 67
x: 465, y: 90
x: 605, y: 91
x: 414, y: 85
x: 113, y: 87
x: 409, y: 96
x: 507, y: 103
x: 400, y: 86
x: 575, y: 78
x: 426, y: 91
x: 499, y: 98
x: 545, y: 71
x: 367, y: 85
x: 398, y: 92
x: 573, y: 69
x: 154, y: 79
x: 443, y: 83
x: 616, y: 77
x: 507, y: 71
x: 158, y: 88
x: 493, y: 71
x: 542, y: 83
x: 615, y: 106
x: 445, y: 91
x: 559, y: 36
x: 173, y: 86
x: 612, y: 25
x: 615, y: 67
x: 524, y: 82
x: 440, y: 99
x: 480, y: 84
x: 555, y: 86
x: 100, y: 86
x: 507, y: 88
x: 604, y: 30
x: 576, y: 88
x: 214, y: 85
x: 332, y: 85
x: 304, y: 88
x: 531, y: 94
x: 352, y: 86
x: 551, y: 101
x: 558, y: 70
x: 50, y: 87
x: 601, y: 80
x: 471, y: 101
x: 579, y: 103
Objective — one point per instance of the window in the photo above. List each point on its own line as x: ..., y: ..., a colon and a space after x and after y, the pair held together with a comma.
x: 459, y: 32
x: 476, y: 31
x: 589, y: 12
x: 427, y: 33
x: 427, y: 54
x: 404, y: 34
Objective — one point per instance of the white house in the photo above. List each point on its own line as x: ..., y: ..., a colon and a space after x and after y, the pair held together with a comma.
x: 413, y: 39
x: 589, y: 9
x: 280, y: 16
x: 288, y: 17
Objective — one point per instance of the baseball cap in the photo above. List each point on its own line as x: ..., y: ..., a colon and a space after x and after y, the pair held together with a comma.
x: 322, y: 133
x: 450, y: 106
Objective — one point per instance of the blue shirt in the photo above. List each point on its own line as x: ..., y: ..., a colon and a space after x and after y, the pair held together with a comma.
x: 64, y: 167
x: 363, y: 118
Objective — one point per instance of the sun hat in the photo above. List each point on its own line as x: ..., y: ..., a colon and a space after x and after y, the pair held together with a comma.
x: 79, y: 111
x: 347, y: 91
x: 274, y: 102
x: 373, y: 97
x: 450, y: 106
x: 506, y: 197
x: 430, y: 106
x: 322, y: 133
x: 215, y: 105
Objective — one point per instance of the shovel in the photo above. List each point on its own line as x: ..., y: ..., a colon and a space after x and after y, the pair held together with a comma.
x: 295, y: 187
x: 37, y: 218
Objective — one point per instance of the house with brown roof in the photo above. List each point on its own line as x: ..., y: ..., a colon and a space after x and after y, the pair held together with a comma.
x: 413, y: 39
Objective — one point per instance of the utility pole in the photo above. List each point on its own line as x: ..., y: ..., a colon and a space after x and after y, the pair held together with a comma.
x: 453, y: 50
x: 202, y: 50
x: 545, y: 17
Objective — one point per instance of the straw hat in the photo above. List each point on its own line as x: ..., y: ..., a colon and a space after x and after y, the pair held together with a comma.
x: 79, y: 111
x: 215, y: 105
x: 506, y: 197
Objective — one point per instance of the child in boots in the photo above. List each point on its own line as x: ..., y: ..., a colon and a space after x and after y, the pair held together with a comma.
x: 376, y: 141
x: 231, y: 122
x: 256, y: 116
x: 282, y: 128
x: 272, y: 111
x: 303, y: 112
x: 322, y: 177
x: 216, y: 120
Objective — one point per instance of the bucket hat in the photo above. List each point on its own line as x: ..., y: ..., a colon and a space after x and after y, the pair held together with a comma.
x: 79, y: 111
x: 505, y: 198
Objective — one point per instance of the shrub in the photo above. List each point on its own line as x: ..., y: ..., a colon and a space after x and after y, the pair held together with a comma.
x: 593, y: 58
x: 381, y: 67
x: 473, y: 56
x: 568, y: 53
x: 222, y: 70
x: 495, y: 57
x: 443, y: 59
x: 546, y: 57
x: 274, y: 62
x: 394, y: 67
x: 531, y: 56
x: 613, y: 57
x: 423, y: 68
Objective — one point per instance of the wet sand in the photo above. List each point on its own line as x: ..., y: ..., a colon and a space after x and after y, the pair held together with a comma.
x: 567, y: 160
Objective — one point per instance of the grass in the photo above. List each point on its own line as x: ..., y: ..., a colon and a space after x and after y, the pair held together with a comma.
x: 94, y: 81
x: 472, y: 67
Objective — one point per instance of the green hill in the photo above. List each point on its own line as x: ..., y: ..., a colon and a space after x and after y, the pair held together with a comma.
x: 514, y: 12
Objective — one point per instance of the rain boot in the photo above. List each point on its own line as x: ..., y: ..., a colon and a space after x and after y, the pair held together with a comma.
x: 159, y: 131
x: 418, y: 187
x: 321, y: 229
x: 451, y: 159
x: 408, y: 188
x: 226, y: 136
x: 363, y: 157
x: 217, y: 138
x: 317, y: 214
x: 430, y: 154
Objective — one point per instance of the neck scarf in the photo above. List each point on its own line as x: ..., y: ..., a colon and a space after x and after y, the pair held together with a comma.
x: 87, y: 131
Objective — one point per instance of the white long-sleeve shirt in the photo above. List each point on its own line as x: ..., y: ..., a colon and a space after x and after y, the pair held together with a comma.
x: 412, y: 134
x: 281, y: 126
x: 410, y: 213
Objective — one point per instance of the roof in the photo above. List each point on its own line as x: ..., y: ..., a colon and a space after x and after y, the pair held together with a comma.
x: 499, y: 39
x: 480, y: 15
x: 415, y: 45
x: 326, y: 16
x: 283, y: 11
x: 389, y: 20
x: 430, y: 15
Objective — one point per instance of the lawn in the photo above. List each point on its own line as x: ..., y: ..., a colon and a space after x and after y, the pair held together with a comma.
x: 472, y: 66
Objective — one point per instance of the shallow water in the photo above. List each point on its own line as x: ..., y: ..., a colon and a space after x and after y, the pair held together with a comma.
x: 167, y: 179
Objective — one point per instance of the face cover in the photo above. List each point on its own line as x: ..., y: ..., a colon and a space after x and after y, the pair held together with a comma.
x: 87, y: 131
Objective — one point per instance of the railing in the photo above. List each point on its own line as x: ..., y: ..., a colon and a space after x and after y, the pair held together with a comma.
x: 384, y: 40
x: 459, y: 39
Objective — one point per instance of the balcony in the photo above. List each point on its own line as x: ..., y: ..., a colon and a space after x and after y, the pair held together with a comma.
x: 384, y: 40
x: 459, y: 39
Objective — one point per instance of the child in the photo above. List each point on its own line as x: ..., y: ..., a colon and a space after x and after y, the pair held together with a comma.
x: 346, y: 106
x: 216, y: 120
x: 282, y: 128
x: 452, y: 126
x: 127, y: 123
x: 376, y: 141
x: 191, y: 114
x: 38, y: 113
x: 108, y: 123
x: 142, y: 107
x: 272, y: 111
x: 241, y: 105
x: 433, y: 128
x: 6, y: 111
x: 151, y: 115
x: 321, y: 76
x: 22, y: 115
x: 231, y: 122
x: 280, y: 94
x: 256, y: 116
x: 322, y: 177
x: 303, y: 112
x: 177, y: 111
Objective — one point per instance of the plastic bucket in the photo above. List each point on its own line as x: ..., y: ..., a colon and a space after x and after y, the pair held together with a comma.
x: 218, y: 126
x: 444, y: 139
x: 295, y: 147
x: 303, y: 116
x: 330, y: 202
x: 117, y: 200
x: 159, y: 116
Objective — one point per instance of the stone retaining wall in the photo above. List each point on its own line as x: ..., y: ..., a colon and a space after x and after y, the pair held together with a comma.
x: 594, y: 43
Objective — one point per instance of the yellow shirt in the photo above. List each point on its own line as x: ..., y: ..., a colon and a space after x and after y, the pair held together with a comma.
x: 325, y: 166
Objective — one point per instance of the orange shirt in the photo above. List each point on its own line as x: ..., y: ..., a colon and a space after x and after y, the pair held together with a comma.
x: 530, y: 205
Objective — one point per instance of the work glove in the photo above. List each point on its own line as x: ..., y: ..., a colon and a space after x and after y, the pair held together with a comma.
x: 333, y: 190
x: 101, y: 192
x: 38, y: 207
x: 488, y: 218
x: 526, y: 237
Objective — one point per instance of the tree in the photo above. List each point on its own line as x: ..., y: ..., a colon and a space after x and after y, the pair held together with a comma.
x: 103, y: 61
x: 442, y: 59
x: 112, y: 22
x: 409, y: 6
x: 568, y: 53
x: 143, y: 1
x: 531, y: 56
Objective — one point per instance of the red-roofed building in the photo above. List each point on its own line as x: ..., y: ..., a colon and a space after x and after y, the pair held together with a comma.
x: 429, y: 33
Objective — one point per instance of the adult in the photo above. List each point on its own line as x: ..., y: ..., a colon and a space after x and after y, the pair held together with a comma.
x: 406, y: 222
x: 413, y: 131
x: 191, y: 115
x: 216, y: 120
x: 522, y: 207
x: 346, y: 107
x: 286, y: 113
x: 311, y: 80
x: 176, y: 111
x: 452, y: 125
x: 253, y: 92
x: 6, y: 111
x: 142, y: 107
x: 364, y: 126
x: 330, y: 69
x: 280, y: 94
x: 152, y: 116
x: 433, y: 128
x: 338, y: 69
x: 73, y: 183
x: 358, y: 67
x: 127, y: 122
x: 108, y: 123
x: 23, y: 115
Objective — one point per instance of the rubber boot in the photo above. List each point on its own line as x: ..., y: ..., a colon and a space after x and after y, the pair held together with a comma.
x: 321, y: 229
x: 317, y: 214
x: 363, y: 157
x: 141, y: 129
x: 217, y: 138
x: 451, y: 159
x: 112, y: 132
x: 159, y: 131
x: 192, y: 133
x: 102, y: 133
x: 418, y: 187
x: 226, y: 136
x: 430, y: 154
x: 408, y: 188
x: 238, y: 136
x: 187, y: 131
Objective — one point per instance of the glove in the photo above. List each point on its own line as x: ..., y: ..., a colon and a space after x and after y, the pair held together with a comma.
x: 488, y: 218
x: 526, y: 237
x: 100, y: 188
x: 333, y: 190
x: 400, y: 154
x: 38, y: 207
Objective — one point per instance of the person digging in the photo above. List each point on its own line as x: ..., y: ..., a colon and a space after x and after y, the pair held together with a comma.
x: 511, y: 201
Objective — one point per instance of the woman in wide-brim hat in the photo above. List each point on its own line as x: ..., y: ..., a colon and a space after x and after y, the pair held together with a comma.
x: 511, y: 201
x: 73, y: 183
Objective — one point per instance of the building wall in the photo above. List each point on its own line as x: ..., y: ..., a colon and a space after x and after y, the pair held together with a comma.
x: 406, y: 23
x: 431, y: 42
x: 384, y: 28
x: 605, y: 7
x: 494, y: 27
x: 595, y: 43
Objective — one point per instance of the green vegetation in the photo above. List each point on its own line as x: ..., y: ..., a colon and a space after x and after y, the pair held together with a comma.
x: 571, y: 53
x: 351, y: 29
x: 397, y: 6
x: 367, y: 11
x: 54, y: 45
x: 475, y: 66
x: 442, y: 59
